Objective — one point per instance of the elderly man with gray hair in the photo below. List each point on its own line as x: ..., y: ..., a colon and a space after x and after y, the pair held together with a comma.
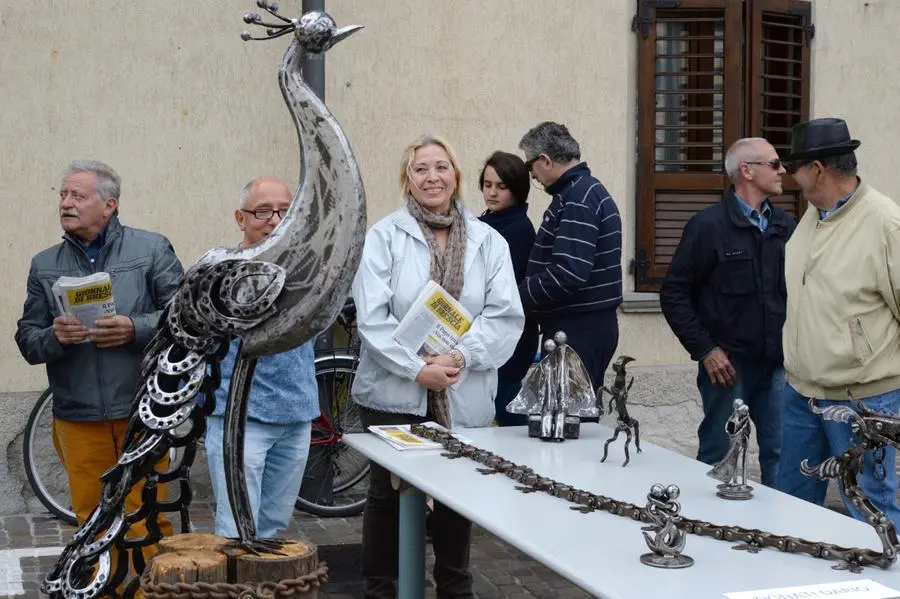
x: 724, y: 297
x: 93, y: 367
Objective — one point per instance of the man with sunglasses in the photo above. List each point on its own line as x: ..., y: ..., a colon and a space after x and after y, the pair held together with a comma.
x: 724, y: 297
x: 573, y: 282
x: 842, y: 334
x: 284, y: 398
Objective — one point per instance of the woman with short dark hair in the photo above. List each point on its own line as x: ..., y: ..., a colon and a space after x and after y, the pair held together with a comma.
x: 504, y: 185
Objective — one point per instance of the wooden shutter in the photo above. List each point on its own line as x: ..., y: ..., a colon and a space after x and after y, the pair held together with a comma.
x: 779, y: 34
x: 690, y: 109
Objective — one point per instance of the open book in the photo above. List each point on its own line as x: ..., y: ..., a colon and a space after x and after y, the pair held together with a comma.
x: 434, y: 323
x: 400, y: 438
x: 87, y: 298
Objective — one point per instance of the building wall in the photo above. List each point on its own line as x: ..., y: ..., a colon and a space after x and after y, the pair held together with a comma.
x: 168, y: 94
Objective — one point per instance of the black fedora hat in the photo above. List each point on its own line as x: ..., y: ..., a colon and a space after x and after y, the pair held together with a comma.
x: 819, y: 138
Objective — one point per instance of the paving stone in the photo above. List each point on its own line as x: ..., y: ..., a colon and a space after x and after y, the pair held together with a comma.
x: 499, y: 571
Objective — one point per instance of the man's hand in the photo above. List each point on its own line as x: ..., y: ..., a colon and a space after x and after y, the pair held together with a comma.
x: 68, y: 330
x: 719, y: 368
x: 437, y: 377
x: 112, y: 331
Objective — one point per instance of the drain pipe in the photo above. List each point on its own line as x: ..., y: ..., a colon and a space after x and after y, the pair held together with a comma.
x: 314, y: 64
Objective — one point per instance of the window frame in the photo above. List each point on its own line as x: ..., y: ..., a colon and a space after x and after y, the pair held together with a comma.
x: 742, y: 108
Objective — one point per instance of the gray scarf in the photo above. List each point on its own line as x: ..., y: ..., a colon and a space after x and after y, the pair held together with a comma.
x: 446, y: 269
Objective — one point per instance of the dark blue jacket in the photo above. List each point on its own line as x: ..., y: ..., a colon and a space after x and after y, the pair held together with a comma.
x: 725, y: 285
x: 515, y: 227
x: 576, y: 263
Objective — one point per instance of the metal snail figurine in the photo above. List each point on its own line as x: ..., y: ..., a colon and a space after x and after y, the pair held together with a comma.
x: 619, y: 400
x: 668, y: 542
x: 273, y: 296
x: 732, y: 469
x: 556, y: 393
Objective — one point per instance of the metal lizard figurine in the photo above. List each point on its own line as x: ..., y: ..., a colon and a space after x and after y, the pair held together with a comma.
x: 273, y: 296
x: 619, y: 399
x: 874, y: 432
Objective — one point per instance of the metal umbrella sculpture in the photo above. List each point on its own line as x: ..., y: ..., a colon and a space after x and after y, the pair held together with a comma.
x: 273, y: 296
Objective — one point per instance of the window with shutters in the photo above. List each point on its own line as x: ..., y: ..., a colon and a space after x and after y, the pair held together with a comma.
x: 709, y: 73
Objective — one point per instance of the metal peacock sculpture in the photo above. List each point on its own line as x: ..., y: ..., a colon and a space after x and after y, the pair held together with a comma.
x: 273, y: 296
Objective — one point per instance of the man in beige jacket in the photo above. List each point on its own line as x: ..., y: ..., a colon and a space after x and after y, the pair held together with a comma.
x: 842, y: 333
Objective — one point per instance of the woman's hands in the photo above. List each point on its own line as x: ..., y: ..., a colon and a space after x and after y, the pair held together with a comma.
x: 438, y: 373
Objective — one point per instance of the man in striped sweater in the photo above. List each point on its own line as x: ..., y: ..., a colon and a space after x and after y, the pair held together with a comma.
x: 574, y: 277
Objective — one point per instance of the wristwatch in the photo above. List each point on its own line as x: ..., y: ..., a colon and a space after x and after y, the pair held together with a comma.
x: 458, y: 358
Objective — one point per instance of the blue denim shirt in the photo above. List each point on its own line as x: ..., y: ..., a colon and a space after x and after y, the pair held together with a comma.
x: 823, y: 214
x: 284, y: 389
x: 758, y: 219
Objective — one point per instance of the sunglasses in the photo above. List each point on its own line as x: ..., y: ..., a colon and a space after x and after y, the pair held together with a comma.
x: 775, y: 164
x: 530, y: 163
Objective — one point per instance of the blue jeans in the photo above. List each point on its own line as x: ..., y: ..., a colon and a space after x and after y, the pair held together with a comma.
x: 760, y: 386
x: 274, y: 461
x: 808, y: 436
x: 507, y: 389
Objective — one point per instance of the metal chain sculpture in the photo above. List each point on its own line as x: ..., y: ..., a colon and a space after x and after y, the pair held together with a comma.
x: 273, y: 296
x: 874, y: 432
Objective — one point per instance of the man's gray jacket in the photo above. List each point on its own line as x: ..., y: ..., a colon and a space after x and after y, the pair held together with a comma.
x: 88, y: 383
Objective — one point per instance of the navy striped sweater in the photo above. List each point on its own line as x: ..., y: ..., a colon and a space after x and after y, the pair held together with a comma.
x: 576, y: 262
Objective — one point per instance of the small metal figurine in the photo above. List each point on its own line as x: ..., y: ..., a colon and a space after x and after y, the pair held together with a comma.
x: 732, y: 469
x: 556, y: 394
x: 668, y: 542
x: 619, y: 399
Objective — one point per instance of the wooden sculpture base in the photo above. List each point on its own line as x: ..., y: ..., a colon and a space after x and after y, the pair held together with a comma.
x: 201, y: 557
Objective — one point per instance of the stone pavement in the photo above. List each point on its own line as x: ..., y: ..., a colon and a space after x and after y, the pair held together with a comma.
x: 29, y: 545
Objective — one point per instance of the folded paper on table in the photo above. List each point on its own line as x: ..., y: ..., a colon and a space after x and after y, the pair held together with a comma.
x: 401, y: 438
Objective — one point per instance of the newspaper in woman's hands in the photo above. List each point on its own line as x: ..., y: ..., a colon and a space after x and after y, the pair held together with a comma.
x: 87, y: 298
x: 434, y: 323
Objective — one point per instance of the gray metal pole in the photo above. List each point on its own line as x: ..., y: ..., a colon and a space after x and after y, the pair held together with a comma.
x: 314, y: 65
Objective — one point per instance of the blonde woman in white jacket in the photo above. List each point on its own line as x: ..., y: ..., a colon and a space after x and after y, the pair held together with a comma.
x: 431, y: 237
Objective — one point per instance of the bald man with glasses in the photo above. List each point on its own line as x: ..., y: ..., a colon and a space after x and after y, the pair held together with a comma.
x: 724, y: 297
x: 284, y: 398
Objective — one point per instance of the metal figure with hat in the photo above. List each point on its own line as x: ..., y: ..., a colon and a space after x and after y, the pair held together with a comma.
x: 842, y: 331
x: 619, y: 400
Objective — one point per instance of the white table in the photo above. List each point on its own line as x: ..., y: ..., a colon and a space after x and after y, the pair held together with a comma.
x: 598, y: 551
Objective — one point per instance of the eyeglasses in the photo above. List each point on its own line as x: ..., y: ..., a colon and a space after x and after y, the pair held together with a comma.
x: 530, y: 163
x: 266, y: 213
x: 775, y: 164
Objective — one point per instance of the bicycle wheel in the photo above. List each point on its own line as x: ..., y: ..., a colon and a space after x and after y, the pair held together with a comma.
x: 334, y: 472
x: 45, y: 472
